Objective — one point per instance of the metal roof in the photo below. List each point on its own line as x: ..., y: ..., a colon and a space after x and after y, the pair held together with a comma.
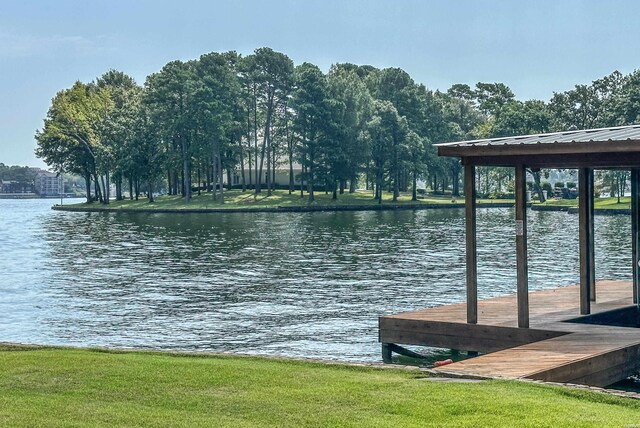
x: 618, y: 134
x: 616, y: 147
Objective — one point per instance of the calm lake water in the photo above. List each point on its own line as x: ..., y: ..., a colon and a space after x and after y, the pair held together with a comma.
x: 295, y: 284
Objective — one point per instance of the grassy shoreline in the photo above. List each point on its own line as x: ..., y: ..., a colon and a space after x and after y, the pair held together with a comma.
x: 601, y: 205
x: 84, y: 387
x: 236, y: 200
x: 281, y: 201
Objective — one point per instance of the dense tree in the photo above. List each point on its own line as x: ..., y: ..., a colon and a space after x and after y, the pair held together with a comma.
x: 170, y: 97
x: 311, y: 103
x: 71, y: 138
x: 205, y: 120
x: 353, y: 109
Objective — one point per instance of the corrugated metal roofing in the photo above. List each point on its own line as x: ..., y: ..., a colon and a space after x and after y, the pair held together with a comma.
x: 619, y: 134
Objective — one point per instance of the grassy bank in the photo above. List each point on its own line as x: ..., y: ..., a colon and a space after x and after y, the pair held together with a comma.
x: 235, y: 199
x: 600, y: 203
x: 67, y: 387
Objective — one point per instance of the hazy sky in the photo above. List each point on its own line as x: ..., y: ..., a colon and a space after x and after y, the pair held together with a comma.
x: 535, y: 47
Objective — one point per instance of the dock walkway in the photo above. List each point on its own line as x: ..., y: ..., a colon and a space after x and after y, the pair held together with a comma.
x: 554, y: 348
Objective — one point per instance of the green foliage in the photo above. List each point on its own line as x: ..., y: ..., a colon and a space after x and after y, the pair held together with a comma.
x: 195, y: 121
x: 22, y: 174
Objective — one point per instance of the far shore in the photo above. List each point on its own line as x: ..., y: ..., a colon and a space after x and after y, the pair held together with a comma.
x: 280, y: 201
x: 237, y: 201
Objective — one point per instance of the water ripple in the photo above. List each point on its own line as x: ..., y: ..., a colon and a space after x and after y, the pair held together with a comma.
x: 299, y: 284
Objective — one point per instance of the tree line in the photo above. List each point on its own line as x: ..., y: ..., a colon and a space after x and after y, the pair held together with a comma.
x: 194, y: 122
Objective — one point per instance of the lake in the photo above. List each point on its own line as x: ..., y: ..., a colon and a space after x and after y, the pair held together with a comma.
x: 293, y: 284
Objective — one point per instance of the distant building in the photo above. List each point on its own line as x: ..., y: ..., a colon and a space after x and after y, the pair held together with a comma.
x: 281, y: 176
x: 48, y: 184
x: 9, y: 186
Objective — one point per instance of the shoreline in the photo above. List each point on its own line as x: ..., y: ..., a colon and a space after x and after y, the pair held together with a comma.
x: 425, y: 370
x: 282, y: 209
x: 574, y: 210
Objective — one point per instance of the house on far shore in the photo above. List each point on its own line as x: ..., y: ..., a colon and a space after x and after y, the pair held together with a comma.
x: 281, y: 176
x: 15, y: 187
x: 48, y: 184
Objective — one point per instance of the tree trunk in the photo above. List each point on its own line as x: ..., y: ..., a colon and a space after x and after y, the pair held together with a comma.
x: 96, y: 187
x: 242, y: 176
x: 414, y: 190
x: 536, y: 181
x: 456, y: 183
x: 150, y: 189
x: 186, y: 177
x: 257, y: 175
x: 107, y: 189
x: 87, y: 185
x: 199, y: 178
x: 214, y: 177
x: 396, y: 186
x: 221, y: 176
x: 310, y: 182
x: 118, y: 180
x: 267, y: 132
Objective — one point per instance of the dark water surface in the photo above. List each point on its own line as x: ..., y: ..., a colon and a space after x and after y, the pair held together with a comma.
x: 295, y: 284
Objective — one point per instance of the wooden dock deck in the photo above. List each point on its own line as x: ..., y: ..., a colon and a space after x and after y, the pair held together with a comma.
x: 553, y: 348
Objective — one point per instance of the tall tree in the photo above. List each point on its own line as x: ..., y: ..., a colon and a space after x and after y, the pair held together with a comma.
x: 216, y: 96
x: 313, y: 112
x: 71, y: 138
x: 274, y: 74
x: 170, y: 98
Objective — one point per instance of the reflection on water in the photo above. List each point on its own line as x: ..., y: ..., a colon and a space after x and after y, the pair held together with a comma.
x: 298, y: 284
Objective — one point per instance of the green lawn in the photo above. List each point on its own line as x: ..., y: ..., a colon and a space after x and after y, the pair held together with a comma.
x: 600, y: 203
x: 74, y: 387
x: 280, y: 198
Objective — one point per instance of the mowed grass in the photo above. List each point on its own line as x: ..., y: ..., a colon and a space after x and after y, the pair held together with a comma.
x: 74, y: 387
x: 279, y: 198
x: 600, y: 203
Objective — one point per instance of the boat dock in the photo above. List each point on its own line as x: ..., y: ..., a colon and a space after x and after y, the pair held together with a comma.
x: 558, y: 346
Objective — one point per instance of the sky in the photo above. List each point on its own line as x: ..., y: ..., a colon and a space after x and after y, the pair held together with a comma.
x: 536, y: 48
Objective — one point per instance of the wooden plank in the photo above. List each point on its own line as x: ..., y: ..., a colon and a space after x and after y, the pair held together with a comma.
x: 509, y: 334
x: 521, y: 246
x: 597, y: 369
x: 550, y: 349
x: 470, y: 236
x: 464, y: 343
x: 585, y: 229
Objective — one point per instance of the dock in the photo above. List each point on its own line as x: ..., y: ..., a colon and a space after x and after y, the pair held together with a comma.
x: 560, y: 345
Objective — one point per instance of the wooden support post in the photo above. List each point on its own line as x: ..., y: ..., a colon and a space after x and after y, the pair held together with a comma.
x: 592, y: 245
x: 386, y: 353
x: 635, y: 229
x: 521, y: 247
x: 470, y: 235
x: 585, y: 216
